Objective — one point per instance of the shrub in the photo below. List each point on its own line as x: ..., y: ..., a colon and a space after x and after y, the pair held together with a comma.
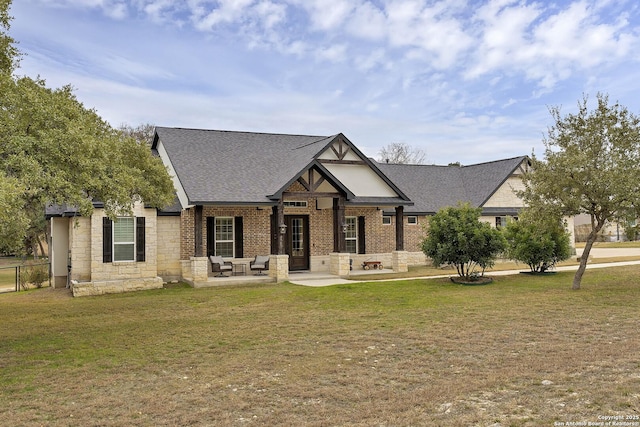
x: 538, y: 241
x: 457, y: 237
x: 35, y: 275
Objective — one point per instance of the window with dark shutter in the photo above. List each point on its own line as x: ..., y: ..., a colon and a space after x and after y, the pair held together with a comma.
x: 361, y: 239
x: 140, y: 239
x: 107, y: 243
x: 239, y: 243
x: 211, y: 236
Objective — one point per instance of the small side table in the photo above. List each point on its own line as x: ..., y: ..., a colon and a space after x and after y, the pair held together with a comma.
x: 239, y: 269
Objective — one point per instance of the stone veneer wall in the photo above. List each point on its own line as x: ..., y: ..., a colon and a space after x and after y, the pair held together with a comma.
x: 169, y: 267
x: 125, y: 270
x: 102, y: 287
x: 80, y: 247
x: 505, y: 195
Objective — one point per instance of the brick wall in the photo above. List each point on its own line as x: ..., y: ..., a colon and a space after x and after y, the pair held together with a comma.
x: 187, y: 238
x: 255, y: 224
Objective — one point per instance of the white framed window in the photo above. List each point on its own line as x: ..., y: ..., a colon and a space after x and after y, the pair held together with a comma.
x: 412, y: 220
x: 224, y: 237
x: 351, y: 234
x: 124, y: 239
x: 386, y: 220
x: 295, y: 203
x: 501, y: 221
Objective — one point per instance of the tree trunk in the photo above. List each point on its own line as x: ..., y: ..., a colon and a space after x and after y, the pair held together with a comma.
x: 593, y: 235
x: 40, y: 244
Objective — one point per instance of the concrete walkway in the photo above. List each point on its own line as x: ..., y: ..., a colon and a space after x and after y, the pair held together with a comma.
x: 326, y: 279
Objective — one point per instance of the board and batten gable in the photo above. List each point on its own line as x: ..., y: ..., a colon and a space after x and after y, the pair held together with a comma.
x: 354, y: 171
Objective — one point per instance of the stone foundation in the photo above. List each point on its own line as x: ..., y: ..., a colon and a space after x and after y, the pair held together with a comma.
x: 279, y: 267
x: 339, y: 264
x: 400, y: 261
x: 101, y: 287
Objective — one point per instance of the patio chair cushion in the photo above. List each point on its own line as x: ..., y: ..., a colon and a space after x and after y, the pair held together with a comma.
x: 260, y: 263
x: 222, y: 265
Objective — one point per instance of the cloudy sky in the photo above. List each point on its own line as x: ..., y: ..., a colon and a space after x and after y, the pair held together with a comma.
x: 466, y: 81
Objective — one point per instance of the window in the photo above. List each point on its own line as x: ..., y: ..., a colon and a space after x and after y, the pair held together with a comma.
x: 351, y: 235
x: 412, y: 220
x: 386, y: 220
x: 123, y: 239
x: 124, y: 245
x: 295, y: 203
x: 224, y: 236
x: 501, y: 221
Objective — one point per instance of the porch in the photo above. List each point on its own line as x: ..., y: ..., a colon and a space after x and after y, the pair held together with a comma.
x: 304, y: 278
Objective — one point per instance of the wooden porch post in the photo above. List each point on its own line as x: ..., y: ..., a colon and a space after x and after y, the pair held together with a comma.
x: 339, y: 242
x: 399, y: 228
x: 279, y: 222
x: 197, y: 224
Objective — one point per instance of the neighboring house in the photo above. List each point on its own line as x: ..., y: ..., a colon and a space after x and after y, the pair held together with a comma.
x: 313, y: 203
x: 613, y: 231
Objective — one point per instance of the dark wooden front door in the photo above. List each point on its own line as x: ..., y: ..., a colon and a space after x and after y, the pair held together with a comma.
x: 297, y: 241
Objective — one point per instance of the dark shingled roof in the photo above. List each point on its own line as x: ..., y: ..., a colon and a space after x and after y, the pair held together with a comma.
x: 433, y: 187
x: 239, y: 167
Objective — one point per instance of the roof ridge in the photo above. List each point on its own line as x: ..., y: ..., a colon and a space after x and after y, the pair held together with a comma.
x: 240, y: 131
x: 320, y: 138
x: 495, y: 161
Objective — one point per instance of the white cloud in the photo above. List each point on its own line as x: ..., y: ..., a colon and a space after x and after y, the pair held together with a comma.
x: 434, y: 33
x: 373, y: 59
x: 326, y: 15
x: 228, y: 11
x: 367, y: 22
x: 270, y: 13
x: 115, y: 9
x: 333, y: 53
x: 547, y: 45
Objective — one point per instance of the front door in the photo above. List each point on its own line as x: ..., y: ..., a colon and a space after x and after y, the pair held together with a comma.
x: 297, y: 241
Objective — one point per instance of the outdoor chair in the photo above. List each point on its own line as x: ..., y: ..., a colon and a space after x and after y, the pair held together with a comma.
x: 261, y: 262
x: 218, y: 265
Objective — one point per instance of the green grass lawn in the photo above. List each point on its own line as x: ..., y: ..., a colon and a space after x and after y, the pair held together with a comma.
x: 523, y: 351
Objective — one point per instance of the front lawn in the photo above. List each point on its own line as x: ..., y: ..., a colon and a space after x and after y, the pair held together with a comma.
x: 523, y: 351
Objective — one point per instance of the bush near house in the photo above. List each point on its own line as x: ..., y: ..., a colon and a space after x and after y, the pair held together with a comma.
x: 34, y: 275
x: 457, y: 237
x: 538, y: 241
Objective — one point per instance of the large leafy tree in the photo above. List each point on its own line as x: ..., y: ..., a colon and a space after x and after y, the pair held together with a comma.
x: 590, y: 166
x: 457, y: 237
x: 54, y: 150
x: 538, y: 241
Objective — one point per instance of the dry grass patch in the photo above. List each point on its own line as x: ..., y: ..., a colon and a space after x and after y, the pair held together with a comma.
x: 523, y: 351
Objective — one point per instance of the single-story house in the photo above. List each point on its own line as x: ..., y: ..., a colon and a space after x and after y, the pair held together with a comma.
x: 312, y: 203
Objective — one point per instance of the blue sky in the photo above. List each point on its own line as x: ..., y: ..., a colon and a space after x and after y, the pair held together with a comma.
x: 468, y: 81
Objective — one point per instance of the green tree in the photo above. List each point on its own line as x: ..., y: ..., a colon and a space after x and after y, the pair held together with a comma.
x: 538, y: 241
x: 56, y: 151
x: 457, y: 237
x: 590, y: 167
